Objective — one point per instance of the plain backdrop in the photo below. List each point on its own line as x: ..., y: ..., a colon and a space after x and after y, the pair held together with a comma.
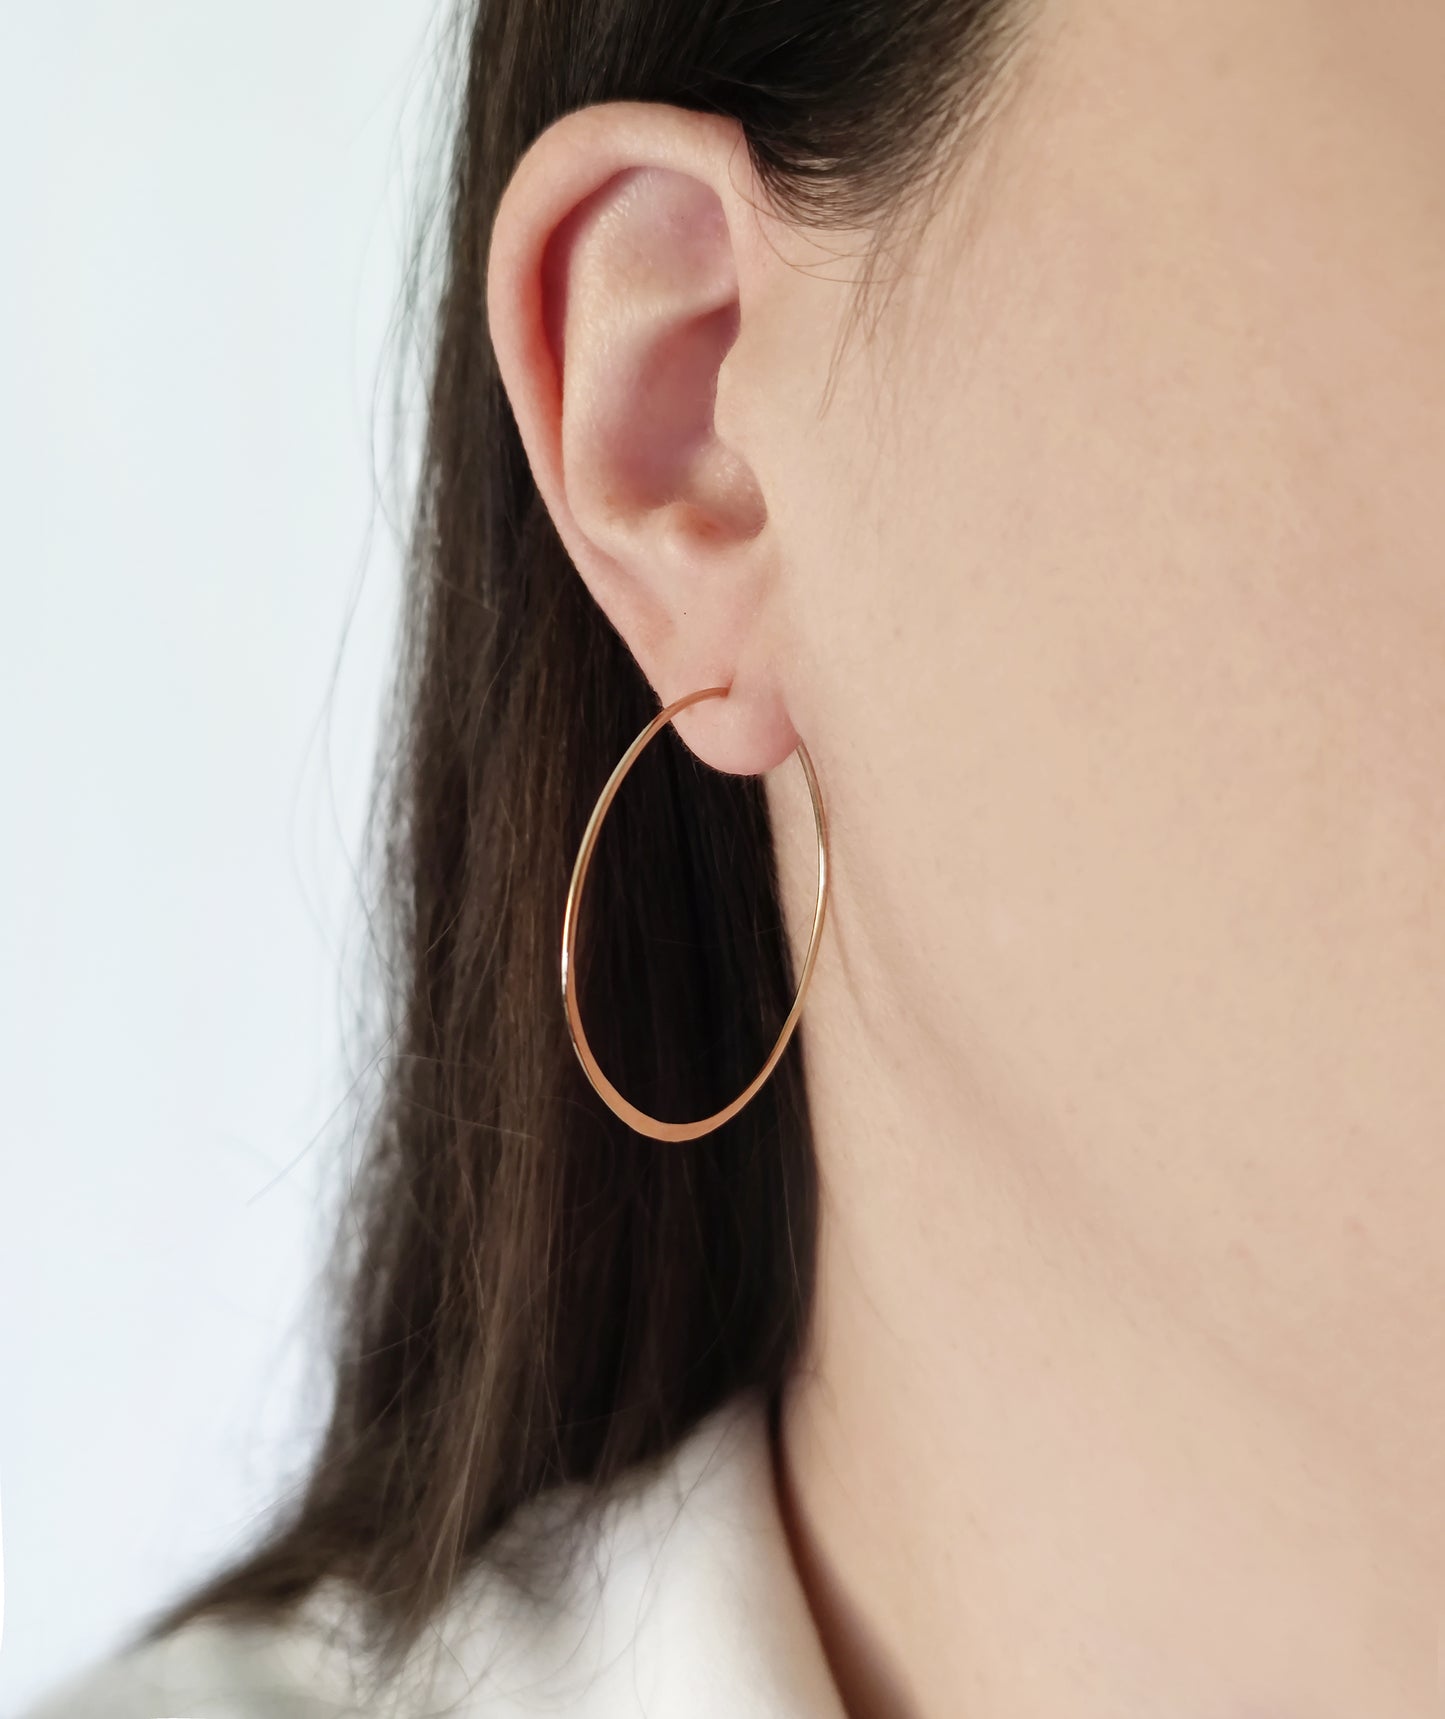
x: 205, y: 221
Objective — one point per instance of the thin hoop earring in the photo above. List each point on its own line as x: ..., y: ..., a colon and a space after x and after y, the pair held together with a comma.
x: 639, y: 1119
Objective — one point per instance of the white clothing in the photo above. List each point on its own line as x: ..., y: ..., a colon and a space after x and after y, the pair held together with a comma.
x: 688, y: 1606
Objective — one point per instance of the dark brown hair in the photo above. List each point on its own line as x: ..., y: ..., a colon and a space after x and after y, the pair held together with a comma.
x: 525, y: 1292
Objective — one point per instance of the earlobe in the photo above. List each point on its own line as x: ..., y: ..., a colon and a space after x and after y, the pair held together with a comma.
x: 616, y: 296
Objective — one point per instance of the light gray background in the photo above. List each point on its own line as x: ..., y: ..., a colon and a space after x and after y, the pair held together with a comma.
x: 205, y: 216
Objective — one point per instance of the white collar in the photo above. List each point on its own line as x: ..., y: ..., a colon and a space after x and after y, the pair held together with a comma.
x: 691, y: 1609
x: 689, y: 1606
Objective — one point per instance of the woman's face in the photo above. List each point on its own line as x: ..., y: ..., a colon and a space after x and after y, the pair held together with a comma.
x: 1116, y: 587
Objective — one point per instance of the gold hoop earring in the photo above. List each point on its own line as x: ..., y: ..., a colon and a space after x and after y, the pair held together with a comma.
x: 639, y: 1119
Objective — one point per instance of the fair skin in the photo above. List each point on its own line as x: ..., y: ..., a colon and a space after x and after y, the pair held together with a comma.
x: 1105, y: 589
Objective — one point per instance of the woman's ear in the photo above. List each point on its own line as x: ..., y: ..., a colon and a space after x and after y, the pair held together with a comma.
x: 625, y: 264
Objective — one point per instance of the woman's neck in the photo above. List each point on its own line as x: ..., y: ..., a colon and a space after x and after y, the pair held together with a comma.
x: 1020, y: 1486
